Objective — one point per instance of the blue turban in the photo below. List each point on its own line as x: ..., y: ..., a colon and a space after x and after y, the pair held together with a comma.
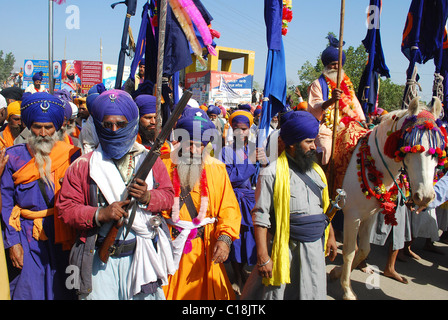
x: 331, y: 53
x: 299, y: 126
x: 146, y: 103
x: 212, y: 109
x: 245, y: 107
x: 191, y: 112
x: 284, y: 117
x: 63, y: 94
x: 115, y: 144
x: 257, y: 112
x: 38, y: 76
x: 67, y: 109
x: 142, y: 62
x: 196, y: 125
x: 42, y: 107
x: 93, y: 93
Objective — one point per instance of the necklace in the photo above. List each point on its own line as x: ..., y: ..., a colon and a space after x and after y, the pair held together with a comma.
x: 177, y: 197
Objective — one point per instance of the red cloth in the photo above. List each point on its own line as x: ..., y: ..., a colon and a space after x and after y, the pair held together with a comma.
x: 74, y: 198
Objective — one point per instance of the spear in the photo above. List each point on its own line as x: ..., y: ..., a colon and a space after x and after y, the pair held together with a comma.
x: 162, y: 8
x: 336, y: 106
x: 131, y: 7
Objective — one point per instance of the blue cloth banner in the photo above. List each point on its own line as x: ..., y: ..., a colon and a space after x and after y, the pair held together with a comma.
x: 376, y: 64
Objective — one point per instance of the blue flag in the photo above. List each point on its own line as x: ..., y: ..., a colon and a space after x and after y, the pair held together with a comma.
x: 275, y: 78
x: 140, y: 47
x: 376, y: 64
x: 423, y: 35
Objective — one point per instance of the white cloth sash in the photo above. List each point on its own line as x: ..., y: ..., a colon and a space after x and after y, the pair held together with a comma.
x: 179, y: 242
x: 148, y: 265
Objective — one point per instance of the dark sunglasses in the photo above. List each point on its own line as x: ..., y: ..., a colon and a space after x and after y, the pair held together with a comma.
x: 110, y: 125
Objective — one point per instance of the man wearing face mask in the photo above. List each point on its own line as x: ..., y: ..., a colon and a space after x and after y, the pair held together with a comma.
x: 91, y: 202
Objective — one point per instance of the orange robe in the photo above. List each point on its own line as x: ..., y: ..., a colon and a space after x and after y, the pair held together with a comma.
x: 198, y: 278
x: 6, y: 138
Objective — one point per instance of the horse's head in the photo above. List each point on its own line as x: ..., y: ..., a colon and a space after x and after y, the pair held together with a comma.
x: 421, y: 147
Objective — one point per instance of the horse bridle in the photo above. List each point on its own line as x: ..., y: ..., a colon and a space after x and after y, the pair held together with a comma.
x: 388, y: 170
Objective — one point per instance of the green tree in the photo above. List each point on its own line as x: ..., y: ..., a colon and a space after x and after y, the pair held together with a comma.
x: 6, y: 65
x: 390, y: 96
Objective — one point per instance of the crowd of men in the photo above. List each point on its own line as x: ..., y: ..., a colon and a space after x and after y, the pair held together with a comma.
x: 215, y: 196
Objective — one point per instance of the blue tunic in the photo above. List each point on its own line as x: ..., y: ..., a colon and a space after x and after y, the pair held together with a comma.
x: 241, y: 170
x: 44, y: 263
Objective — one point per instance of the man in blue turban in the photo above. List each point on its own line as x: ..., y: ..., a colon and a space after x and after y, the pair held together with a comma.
x: 323, y: 94
x: 37, y: 85
x: 146, y: 104
x: 144, y: 258
x: 204, y: 228
x: 292, y: 266
x: 196, y: 126
x: 37, y: 240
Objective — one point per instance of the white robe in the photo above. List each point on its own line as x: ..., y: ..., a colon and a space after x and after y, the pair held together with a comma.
x: 147, y: 264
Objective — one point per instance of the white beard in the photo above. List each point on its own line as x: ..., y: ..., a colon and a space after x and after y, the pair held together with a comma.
x: 332, y: 74
x: 41, y: 147
x: 189, y: 174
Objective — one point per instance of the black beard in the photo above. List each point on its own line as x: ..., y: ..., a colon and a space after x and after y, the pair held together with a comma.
x: 304, y: 161
x: 147, y: 135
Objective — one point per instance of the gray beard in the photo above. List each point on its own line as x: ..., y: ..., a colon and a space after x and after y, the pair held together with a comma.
x: 332, y: 74
x: 189, y: 174
x: 41, y: 148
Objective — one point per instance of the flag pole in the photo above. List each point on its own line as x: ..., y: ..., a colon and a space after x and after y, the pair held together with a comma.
x: 336, y: 106
x: 50, y: 46
x: 161, y: 52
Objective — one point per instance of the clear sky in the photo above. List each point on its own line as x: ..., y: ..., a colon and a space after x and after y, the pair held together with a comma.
x: 241, y: 24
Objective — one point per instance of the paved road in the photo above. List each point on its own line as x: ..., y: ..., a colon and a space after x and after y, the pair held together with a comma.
x: 427, y: 277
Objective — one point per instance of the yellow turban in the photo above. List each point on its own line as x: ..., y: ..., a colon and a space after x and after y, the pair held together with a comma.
x: 13, y: 108
x: 239, y: 115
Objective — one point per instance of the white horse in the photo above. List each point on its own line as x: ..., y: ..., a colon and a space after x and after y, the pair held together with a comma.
x: 360, y: 212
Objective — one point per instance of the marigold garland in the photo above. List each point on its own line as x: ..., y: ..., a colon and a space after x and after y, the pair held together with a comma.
x: 346, y: 105
x: 286, y: 15
x: 387, y: 198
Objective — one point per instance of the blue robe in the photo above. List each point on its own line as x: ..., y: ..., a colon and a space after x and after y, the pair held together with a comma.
x: 44, y: 263
x: 240, y: 171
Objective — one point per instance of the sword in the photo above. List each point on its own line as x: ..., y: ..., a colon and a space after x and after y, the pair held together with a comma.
x: 338, y: 203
